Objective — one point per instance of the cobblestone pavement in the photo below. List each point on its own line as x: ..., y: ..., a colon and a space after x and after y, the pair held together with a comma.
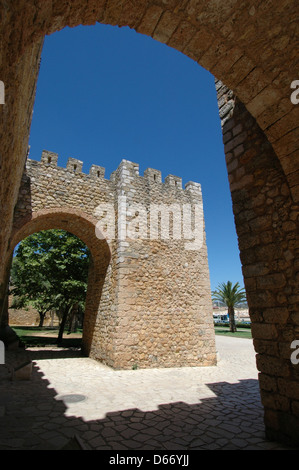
x: 160, y: 409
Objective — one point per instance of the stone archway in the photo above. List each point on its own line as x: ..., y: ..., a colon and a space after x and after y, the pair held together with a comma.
x: 99, y: 281
x: 252, y: 49
x: 130, y: 325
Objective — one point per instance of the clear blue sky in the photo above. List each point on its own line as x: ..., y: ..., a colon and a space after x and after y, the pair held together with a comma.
x: 106, y: 93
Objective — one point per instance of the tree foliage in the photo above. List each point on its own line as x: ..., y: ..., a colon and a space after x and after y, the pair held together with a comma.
x: 49, y: 271
x: 231, y: 296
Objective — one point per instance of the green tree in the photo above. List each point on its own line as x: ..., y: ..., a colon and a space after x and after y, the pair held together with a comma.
x: 49, y: 271
x: 231, y: 296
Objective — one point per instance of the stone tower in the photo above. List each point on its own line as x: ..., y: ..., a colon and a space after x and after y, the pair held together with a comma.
x: 148, y: 301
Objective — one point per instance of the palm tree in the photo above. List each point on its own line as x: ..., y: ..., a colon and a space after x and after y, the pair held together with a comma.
x: 231, y: 296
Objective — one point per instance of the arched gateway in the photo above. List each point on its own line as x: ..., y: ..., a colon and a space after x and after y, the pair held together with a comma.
x: 252, y: 48
x: 148, y: 300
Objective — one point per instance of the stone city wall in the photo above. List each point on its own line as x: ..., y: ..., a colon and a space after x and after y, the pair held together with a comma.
x: 155, y: 308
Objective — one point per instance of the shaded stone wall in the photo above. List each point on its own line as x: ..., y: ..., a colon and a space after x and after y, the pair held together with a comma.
x: 266, y: 218
x: 15, y: 114
x: 154, y: 307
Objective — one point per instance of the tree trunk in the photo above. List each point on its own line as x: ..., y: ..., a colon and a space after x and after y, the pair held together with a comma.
x: 62, y: 324
x: 73, y: 319
x: 71, y: 322
x: 41, y: 319
x: 232, y: 324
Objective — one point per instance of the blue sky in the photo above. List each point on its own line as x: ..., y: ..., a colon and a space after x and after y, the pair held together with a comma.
x: 106, y: 93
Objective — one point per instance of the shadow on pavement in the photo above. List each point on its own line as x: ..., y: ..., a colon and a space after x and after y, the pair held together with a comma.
x: 33, y: 418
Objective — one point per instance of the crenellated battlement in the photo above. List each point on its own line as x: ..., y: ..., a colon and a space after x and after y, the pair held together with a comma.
x: 149, y: 256
x: 47, y: 185
x: 125, y: 174
x: 50, y: 159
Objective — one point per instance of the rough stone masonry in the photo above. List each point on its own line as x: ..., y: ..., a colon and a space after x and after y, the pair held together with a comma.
x: 148, y: 302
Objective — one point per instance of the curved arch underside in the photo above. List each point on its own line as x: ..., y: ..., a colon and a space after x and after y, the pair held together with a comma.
x: 72, y: 220
x: 83, y: 226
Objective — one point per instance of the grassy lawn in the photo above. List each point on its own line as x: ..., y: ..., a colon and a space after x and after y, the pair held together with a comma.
x: 39, y: 337
x: 35, y: 336
x: 240, y: 333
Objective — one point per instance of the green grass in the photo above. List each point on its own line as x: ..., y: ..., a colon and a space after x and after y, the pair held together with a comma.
x: 34, y: 336
x: 240, y: 333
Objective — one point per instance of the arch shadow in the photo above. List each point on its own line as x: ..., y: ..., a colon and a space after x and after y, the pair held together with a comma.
x: 228, y: 417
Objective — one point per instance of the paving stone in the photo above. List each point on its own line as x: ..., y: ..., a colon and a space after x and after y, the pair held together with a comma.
x: 114, y: 445
x: 96, y: 441
x: 130, y: 444
x: 141, y: 437
x: 58, y: 442
x: 137, y: 426
x: 128, y: 433
x: 173, y: 446
x: 108, y: 432
x: 196, y: 444
x: 220, y: 420
x: 120, y: 427
x: 241, y: 443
